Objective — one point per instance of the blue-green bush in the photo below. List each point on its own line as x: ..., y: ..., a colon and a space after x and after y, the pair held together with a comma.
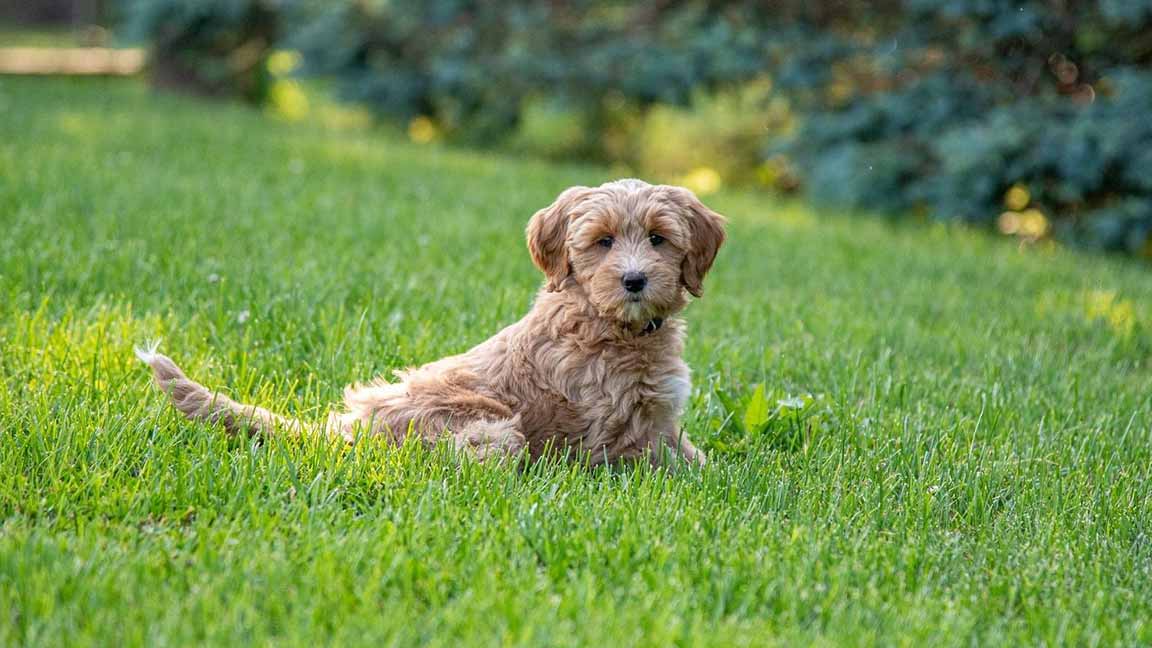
x: 962, y: 101
x: 209, y: 47
x: 941, y: 107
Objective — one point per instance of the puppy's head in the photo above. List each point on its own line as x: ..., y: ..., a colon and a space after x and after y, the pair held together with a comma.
x: 634, y: 247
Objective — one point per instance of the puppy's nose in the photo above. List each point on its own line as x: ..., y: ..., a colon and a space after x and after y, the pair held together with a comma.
x: 634, y: 281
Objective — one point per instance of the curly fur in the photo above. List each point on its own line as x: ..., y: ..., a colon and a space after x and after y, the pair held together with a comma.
x: 592, y: 369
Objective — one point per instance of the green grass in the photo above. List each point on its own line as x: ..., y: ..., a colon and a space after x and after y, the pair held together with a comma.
x: 973, y: 467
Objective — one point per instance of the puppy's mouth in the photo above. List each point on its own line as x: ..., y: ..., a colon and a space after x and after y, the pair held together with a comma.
x: 632, y: 307
x: 635, y: 308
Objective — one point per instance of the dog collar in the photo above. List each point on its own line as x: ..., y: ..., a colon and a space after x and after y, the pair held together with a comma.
x: 653, y: 325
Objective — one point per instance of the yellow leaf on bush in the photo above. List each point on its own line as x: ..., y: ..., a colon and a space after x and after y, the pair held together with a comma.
x: 287, y: 100
x: 422, y: 130
x: 1017, y: 197
x: 1033, y: 224
x: 283, y: 62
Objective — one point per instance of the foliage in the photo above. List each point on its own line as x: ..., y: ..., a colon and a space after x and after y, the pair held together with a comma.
x: 208, y: 47
x: 951, y: 108
x: 722, y: 131
x: 936, y: 107
x: 716, y: 141
x: 972, y: 468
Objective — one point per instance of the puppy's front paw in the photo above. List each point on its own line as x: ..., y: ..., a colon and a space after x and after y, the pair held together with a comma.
x: 681, y: 449
x: 699, y: 458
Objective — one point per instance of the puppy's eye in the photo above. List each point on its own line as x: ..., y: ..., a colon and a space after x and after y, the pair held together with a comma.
x: 655, y: 239
x: 605, y: 242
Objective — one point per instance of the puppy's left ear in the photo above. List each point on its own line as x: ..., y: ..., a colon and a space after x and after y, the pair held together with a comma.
x: 706, y: 229
x: 548, y: 236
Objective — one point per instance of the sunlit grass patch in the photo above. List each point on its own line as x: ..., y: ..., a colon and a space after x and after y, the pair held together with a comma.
x: 47, y: 352
x: 1118, y: 313
x: 1097, y: 308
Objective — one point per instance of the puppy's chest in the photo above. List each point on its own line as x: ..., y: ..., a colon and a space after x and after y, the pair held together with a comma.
x: 618, y: 385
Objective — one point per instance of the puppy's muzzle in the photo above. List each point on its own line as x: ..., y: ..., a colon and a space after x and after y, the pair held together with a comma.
x: 634, y: 282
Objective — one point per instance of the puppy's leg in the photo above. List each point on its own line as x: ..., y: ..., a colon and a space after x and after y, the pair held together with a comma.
x: 677, y: 442
x: 654, y: 435
x: 488, y: 440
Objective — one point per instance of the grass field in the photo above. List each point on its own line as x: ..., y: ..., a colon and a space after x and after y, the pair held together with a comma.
x: 963, y: 455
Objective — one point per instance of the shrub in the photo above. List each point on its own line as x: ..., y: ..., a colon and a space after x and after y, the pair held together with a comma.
x: 949, y: 110
x: 932, y: 106
x: 215, y: 48
x: 723, y: 131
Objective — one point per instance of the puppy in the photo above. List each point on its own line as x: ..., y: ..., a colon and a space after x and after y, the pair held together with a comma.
x: 593, y: 370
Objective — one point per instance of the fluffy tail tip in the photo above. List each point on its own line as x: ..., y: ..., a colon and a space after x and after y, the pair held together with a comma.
x: 148, y: 352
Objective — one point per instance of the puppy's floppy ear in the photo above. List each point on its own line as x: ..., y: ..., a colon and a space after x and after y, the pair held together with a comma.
x: 548, y: 236
x: 706, y: 229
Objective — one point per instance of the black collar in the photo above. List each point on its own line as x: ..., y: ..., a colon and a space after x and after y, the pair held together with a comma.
x: 652, y: 326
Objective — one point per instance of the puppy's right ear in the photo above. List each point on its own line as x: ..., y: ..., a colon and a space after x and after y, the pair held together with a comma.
x: 548, y: 237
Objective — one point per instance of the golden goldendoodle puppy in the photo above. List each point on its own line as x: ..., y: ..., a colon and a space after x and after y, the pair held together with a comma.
x: 594, y: 369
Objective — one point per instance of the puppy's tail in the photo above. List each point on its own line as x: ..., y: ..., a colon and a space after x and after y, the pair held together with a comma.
x: 196, y: 402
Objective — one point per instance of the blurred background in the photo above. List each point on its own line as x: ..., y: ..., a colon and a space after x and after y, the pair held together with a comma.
x: 1032, y: 119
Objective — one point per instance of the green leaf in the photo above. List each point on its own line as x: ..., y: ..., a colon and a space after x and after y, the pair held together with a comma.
x: 729, y: 403
x: 758, y: 412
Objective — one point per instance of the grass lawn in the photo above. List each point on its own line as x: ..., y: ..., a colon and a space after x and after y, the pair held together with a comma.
x: 971, y: 463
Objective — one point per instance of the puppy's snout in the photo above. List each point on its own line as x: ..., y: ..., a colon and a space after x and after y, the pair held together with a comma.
x: 634, y: 281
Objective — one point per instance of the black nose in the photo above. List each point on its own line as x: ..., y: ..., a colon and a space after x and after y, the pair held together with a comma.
x: 634, y: 281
